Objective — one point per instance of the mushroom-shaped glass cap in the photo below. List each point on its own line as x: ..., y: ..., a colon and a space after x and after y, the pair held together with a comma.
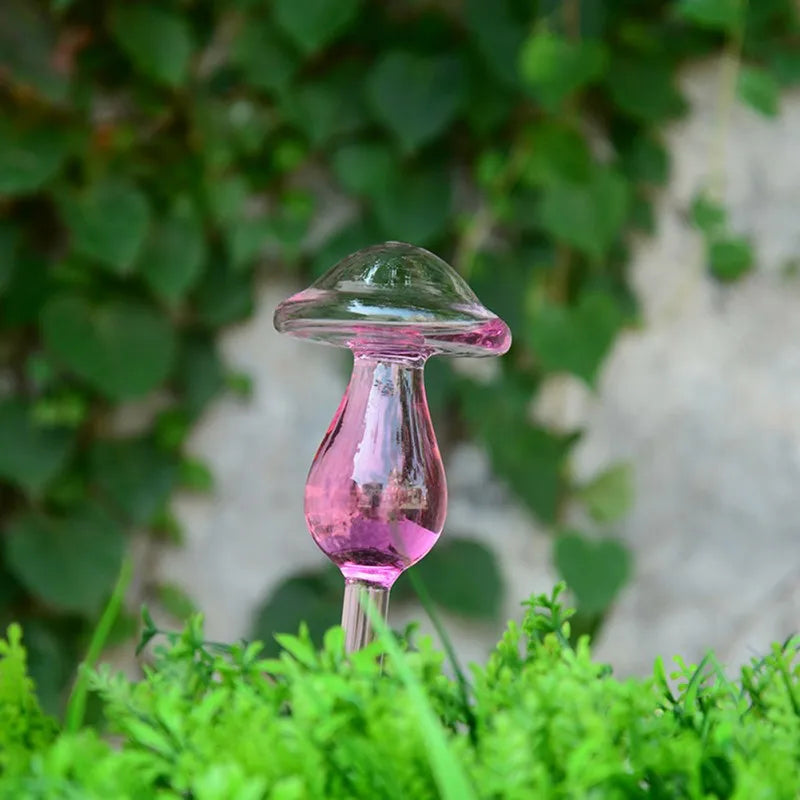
x: 394, y: 297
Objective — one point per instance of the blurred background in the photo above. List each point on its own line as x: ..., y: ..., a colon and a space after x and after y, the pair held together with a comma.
x: 618, y: 180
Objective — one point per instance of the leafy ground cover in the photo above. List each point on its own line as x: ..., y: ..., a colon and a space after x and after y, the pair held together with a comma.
x: 539, y: 719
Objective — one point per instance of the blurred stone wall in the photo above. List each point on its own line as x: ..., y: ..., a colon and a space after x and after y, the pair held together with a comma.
x: 704, y: 400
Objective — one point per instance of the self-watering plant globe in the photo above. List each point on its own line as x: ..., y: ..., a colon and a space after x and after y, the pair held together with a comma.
x: 376, y: 495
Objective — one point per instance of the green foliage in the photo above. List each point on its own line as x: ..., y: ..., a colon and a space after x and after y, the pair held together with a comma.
x: 24, y: 729
x: 415, y: 97
x: 158, y: 41
x: 595, y: 570
x: 69, y: 562
x: 542, y: 719
x: 729, y: 256
x: 760, y: 89
x: 609, y: 496
x: 154, y: 154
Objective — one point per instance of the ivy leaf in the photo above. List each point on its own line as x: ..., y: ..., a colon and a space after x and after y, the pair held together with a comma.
x: 707, y: 214
x: 730, y: 258
x: 108, y: 222
x: 529, y: 459
x: 312, y: 24
x: 557, y: 153
x: 415, y: 96
x: 364, y: 168
x: 172, y: 258
x: 498, y: 37
x: 414, y: 207
x: 576, y: 339
x: 121, y: 348
x: 646, y: 161
x: 556, y: 68
x: 721, y: 15
x: 224, y: 296
x: 30, y: 455
x: 29, y: 158
x: 134, y: 476
x: 610, y: 495
x: 266, y: 62
x: 644, y: 89
x: 594, y: 570
x: 195, y: 475
x: 9, y: 237
x: 327, y: 107
x: 588, y: 216
x: 158, y: 41
x: 314, y: 598
x: 443, y: 571
x: 759, y: 89
x: 71, y: 562
x: 200, y: 374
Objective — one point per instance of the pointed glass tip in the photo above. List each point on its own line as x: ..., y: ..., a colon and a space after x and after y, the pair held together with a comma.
x: 394, y: 296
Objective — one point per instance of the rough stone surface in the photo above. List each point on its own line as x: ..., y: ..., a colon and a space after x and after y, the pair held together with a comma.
x: 704, y: 399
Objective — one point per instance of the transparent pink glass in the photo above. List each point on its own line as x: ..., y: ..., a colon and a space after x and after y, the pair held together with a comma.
x: 376, y: 495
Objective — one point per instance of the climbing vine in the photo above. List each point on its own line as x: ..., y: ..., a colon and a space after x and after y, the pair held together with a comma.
x: 157, y: 157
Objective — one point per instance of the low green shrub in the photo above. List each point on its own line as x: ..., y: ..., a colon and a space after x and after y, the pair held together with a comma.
x: 540, y: 720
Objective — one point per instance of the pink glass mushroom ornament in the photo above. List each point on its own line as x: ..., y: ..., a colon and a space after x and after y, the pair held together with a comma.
x: 376, y: 495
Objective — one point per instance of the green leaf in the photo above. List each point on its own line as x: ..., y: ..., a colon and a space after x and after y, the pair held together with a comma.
x: 328, y: 107
x: 158, y: 41
x: 416, y: 97
x: 312, y: 24
x: 246, y: 239
x: 108, y: 222
x: 134, y: 476
x: 498, y: 37
x: 576, y: 338
x: 224, y: 296
x: 71, y: 562
x: 588, y: 216
x: 27, y: 289
x: 415, y: 207
x: 784, y: 65
x: 314, y: 598
x: 176, y: 601
x: 759, y: 89
x: 610, y: 495
x: 446, y: 572
x: 722, y: 15
x: 196, y: 476
x: 200, y: 374
x: 364, y: 168
x: 529, y: 459
x: 707, y: 214
x: 556, y: 68
x: 29, y: 158
x: 646, y: 161
x: 594, y: 570
x: 30, y: 455
x: 226, y: 197
x: 265, y: 60
x: 557, y: 153
x: 172, y: 258
x: 730, y: 258
x: 121, y: 348
x: 9, y: 237
x: 644, y: 89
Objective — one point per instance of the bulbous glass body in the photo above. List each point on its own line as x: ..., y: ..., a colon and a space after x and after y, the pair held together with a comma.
x: 376, y: 496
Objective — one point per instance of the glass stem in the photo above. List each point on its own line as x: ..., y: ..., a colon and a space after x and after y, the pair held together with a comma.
x: 358, y: 630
